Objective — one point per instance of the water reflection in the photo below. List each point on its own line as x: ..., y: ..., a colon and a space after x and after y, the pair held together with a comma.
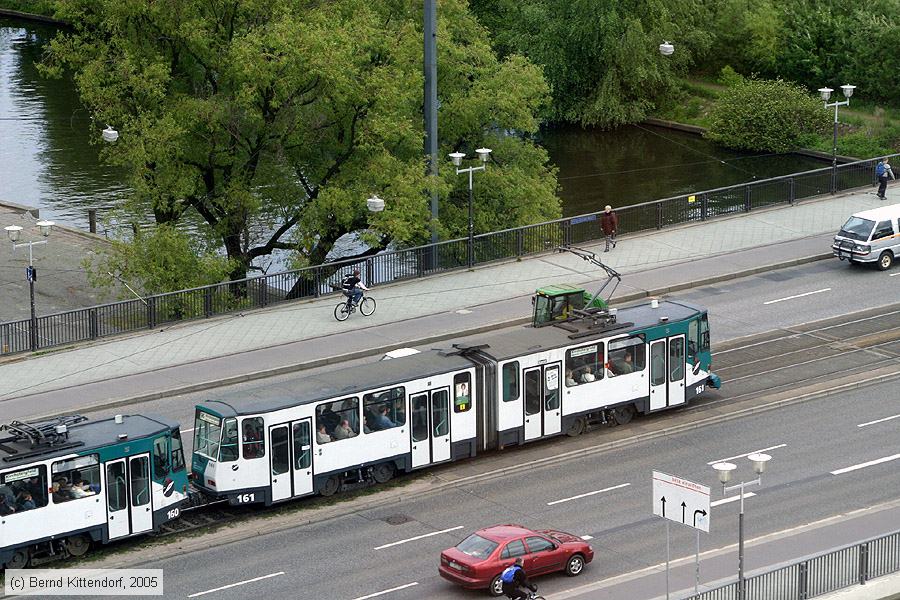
x: 46, y: 158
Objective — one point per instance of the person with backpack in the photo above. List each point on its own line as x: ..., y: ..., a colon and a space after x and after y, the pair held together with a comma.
x: 883, y: 172
x: 514, y: 580
x: 353, y: 287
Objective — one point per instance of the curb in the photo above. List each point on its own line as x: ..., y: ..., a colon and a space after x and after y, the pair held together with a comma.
x: 329, y: 360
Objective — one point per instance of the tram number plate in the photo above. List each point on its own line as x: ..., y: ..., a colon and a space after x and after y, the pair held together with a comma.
x: 245, y: 498
x: 700, y: 388
x: 173, y: 514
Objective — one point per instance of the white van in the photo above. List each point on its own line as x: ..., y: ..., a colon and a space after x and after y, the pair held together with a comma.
x: 870, y: 236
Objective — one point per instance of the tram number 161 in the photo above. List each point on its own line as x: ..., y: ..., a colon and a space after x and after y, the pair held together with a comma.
x: 245, y: 498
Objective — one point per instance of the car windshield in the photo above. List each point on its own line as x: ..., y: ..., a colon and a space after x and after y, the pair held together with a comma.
x: 857, y: 229
x: 477, y: 546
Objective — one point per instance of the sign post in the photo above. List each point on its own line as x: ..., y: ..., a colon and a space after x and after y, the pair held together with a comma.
x: 685, y: 502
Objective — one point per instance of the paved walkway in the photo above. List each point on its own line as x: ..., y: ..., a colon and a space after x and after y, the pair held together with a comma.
x: 289, y: 336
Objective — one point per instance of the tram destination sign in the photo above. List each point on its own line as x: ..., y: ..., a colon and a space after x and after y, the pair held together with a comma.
x: 680, y: 500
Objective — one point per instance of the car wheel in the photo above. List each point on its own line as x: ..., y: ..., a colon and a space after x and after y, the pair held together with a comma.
x: 575, y: 565
x: 885, y: 261
x: 496, y: 588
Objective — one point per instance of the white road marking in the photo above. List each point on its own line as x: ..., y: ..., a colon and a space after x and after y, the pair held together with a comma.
x: 229, y: 586
x: 418, y: 537
x: 587, y: 537
x: 464, y: 311
x: 712, y: 462
x: 609, y: 489
x: 879, y: 420
x: 797, y: 296
x: 871, y: 463
x: 187, y: 430
x: 893, y: 274
x: 731, y: 499
x: 401, y: 587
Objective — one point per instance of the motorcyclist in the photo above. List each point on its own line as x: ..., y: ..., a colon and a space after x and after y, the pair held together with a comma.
x: 514, y: 580
x: 353, y: 287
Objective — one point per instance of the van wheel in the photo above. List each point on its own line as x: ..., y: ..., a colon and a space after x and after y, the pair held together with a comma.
x: 496, y: 588
x: 576, y: 428
x: 885, y: 260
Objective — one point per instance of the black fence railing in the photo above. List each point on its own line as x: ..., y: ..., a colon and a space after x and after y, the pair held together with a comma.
x: 410, y: 263
x: 819, y: 574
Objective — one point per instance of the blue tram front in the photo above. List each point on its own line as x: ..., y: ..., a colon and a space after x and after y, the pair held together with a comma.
x: 69, y: 482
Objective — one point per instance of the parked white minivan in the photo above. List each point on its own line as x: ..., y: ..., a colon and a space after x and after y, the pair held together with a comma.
x: 870, y: 236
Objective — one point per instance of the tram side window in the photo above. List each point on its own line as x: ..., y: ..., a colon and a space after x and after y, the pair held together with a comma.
x: 462, y: 392
x: 511, y: 381
x: 340, y: 420
x: 160, y: 457
x: 658, y: 363
x: 385, y: 409
x: 253, y: 445
x: 627, y: 355
x: 704, y: 333
x: 116, y: 487
x: 75, y: 478
x: 228, y: 451
x: 177, y: 452
x: 693, y: 339
x: 23, y: 490
x: 584, y: 364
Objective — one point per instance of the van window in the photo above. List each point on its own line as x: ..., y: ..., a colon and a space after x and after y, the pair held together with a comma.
x: 857, y: 229
x: 883, y: 230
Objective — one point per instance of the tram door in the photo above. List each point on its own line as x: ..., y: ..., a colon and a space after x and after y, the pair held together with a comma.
x: 280, y: 462
x: 302, y: 457
x: 542, y: 403
x: 667, y: 369
x: 128, y: 499
x: 430, y: 431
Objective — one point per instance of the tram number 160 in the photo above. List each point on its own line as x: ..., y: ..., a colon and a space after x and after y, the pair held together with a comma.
x: 245, y: 498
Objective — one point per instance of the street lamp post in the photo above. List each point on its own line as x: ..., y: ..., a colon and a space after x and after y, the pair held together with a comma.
x: 14, y: 231
x: 724, y: 470
x: 825, y: 92
x: 457, y: 158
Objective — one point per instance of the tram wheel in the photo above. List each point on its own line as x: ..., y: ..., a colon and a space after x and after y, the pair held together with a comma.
x: 622, y: 415
x: 383, y: 473
x: 576, y: 428
x: 19, y: 560
x: 331, y: 487
x: 78, y: 545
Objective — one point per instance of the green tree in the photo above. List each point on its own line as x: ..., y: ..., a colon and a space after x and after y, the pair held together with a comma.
x: 746, y: 36
x: 765, y: 115
x: 601, y: 57
x: 271, y: 121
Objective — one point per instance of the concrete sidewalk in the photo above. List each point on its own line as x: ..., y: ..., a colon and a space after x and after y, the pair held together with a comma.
x: 291, y: 336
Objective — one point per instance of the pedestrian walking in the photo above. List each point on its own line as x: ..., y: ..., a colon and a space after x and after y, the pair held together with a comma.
x: 883, y: 173
x: 609, y: 223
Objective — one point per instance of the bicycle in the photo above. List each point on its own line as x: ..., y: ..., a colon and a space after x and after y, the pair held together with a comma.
x: 343, y: 310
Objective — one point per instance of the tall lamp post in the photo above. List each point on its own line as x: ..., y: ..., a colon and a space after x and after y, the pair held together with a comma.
x: 724, y: 470
x: 825, y: 92
x: 457, y: 158
x: 14, y: 231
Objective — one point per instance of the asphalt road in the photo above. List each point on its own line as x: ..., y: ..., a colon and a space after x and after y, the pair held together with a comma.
x: 812, y: 444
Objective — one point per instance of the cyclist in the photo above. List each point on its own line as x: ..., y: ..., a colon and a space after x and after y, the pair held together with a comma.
x: 514, y: 579
x: 353, y: 287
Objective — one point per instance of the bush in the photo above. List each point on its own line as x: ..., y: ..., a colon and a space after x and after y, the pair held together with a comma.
x: 765, y: 115
x: 729, y: 77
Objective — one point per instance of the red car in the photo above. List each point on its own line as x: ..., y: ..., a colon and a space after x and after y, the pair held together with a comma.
x: 478, y: 560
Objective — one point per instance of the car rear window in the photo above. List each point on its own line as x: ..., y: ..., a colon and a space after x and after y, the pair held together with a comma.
x: 476, y: 546
x: 857, y: 229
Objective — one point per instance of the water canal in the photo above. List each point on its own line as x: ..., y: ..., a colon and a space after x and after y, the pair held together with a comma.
x: 47, y: 160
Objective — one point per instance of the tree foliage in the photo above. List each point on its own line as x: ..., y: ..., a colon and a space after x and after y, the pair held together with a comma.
x: 765, y: 115
x: 601, y: 57
x: 270, y: 122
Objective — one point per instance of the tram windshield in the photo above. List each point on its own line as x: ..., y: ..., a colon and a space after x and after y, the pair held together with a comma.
x: 207, y: 431
x: 857, y: 229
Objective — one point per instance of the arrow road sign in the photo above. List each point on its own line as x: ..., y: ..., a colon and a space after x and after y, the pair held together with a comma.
x: 692, y: 498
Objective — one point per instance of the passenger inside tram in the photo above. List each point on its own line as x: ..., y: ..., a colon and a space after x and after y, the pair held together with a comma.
x: 322, y: 436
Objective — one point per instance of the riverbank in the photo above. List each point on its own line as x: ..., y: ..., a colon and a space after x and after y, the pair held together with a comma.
x: 8, y: 9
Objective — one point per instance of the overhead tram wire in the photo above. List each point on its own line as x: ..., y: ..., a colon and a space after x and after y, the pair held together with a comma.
x: 671, y: 141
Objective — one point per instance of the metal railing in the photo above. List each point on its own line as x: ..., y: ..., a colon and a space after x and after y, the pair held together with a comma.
x: 255, y: 292
x: 818, y: 574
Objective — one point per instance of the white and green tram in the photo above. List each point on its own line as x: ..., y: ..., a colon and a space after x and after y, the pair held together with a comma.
x: 67, y: 483
x: 505, y: 388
